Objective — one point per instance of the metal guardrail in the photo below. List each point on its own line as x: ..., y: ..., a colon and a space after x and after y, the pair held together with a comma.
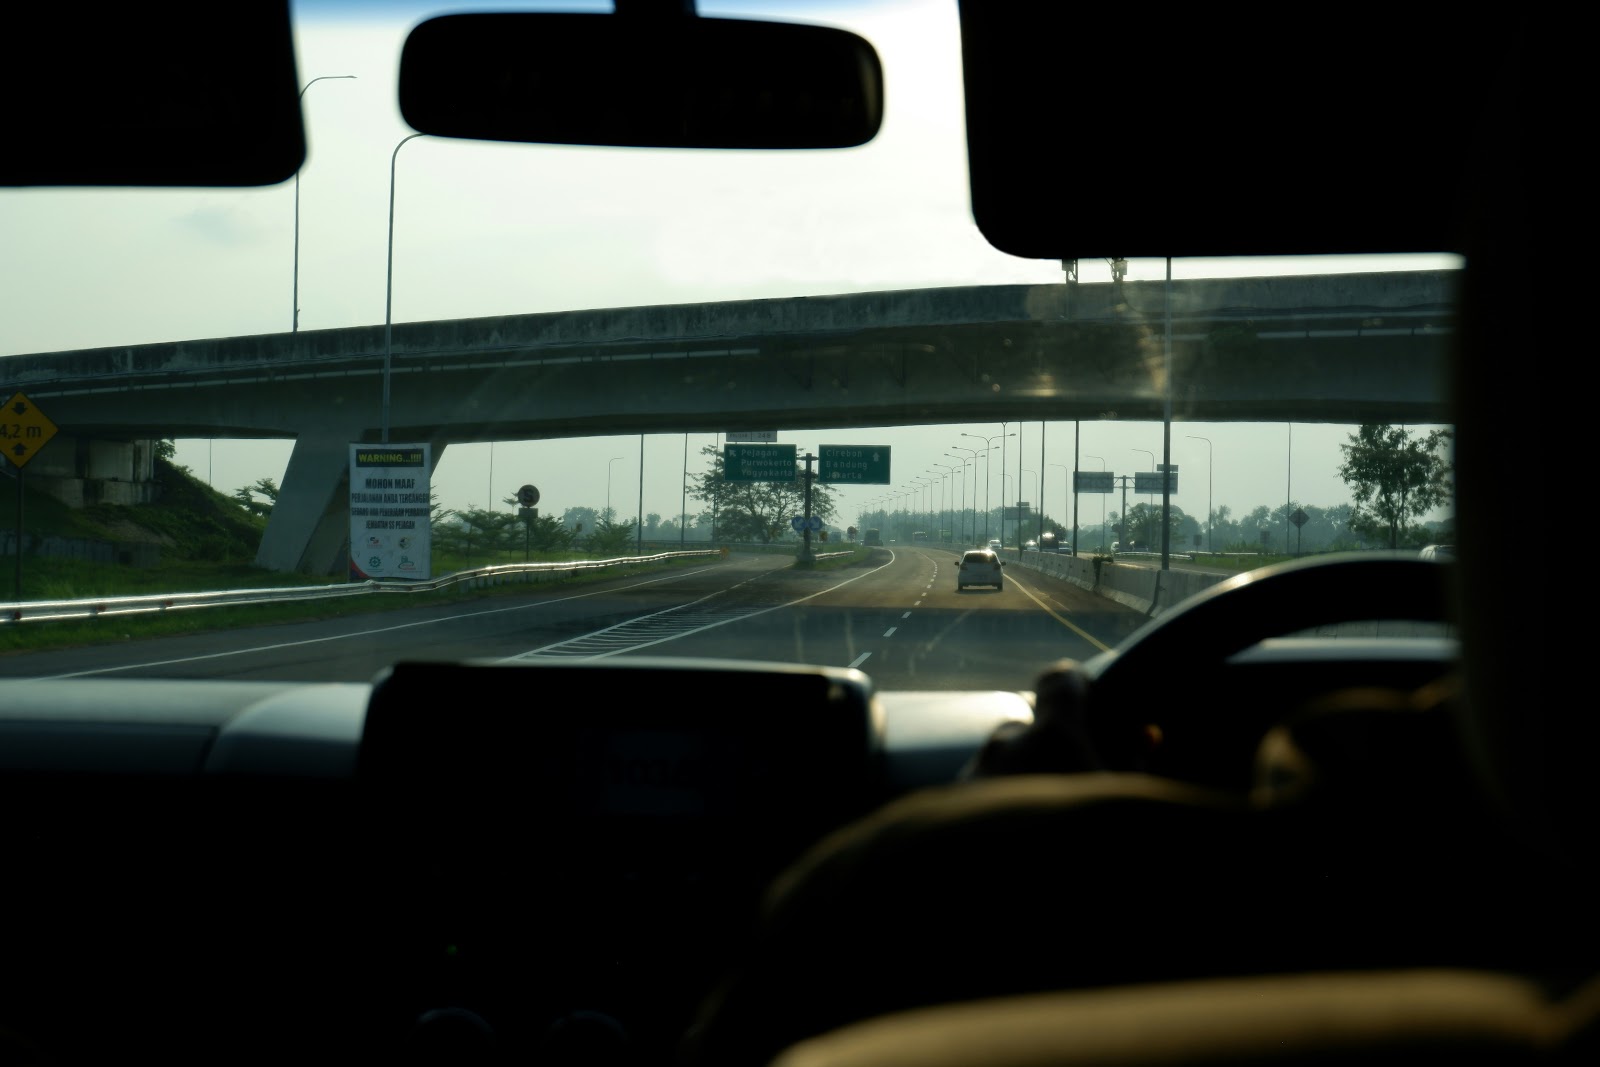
x: 157, y: 603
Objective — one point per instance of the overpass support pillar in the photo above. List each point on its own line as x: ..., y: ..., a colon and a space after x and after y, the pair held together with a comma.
x: 309, y: 531
x: 310, y: 521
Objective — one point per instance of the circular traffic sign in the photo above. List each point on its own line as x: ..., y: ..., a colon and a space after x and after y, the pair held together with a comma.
x: 527, y: 496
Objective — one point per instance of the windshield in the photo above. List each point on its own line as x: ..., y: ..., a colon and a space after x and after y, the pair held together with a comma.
x: 452, y: 399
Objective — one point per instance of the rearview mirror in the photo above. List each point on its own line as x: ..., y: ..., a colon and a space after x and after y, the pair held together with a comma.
x: 640, y: 81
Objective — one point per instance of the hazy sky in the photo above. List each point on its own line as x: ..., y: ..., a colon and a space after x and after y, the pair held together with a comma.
x: 491, y: 229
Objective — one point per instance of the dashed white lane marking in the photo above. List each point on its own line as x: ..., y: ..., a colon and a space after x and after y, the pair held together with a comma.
x: 667, y: 625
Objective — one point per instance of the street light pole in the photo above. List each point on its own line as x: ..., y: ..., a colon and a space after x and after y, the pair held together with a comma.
x: 1102, y: 504
x: 1038, y: 495
x: 1288, y: 484
x: 1211, y: 519
x: 1148, y: 502
x: 1065, y: 496
x: 958, y: 475
x: 388, y: 294
x: 1040, y: 523
x: 989, y: 443
x: 1003, y: 436
x: 919, y: 489
x: 968, y: 535
x: 609, y: 462
x: 716, y: 499
x: 945, y: 473
x: 986, y: 496
x: 960, y: 524
x: 295, y: 321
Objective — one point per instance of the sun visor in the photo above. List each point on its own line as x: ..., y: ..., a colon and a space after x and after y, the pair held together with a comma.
x: 182, y: 94
x: 1094, y: 134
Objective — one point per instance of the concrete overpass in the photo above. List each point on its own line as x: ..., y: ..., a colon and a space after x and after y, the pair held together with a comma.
x: 1349, y: 348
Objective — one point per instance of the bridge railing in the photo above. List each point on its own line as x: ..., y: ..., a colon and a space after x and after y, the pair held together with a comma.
x: 160, y: 603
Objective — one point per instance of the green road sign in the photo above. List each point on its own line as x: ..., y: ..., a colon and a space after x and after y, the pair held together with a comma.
x: 860, y: 464
x: 1093, y: 481
x: 1151, y: 481
x: 758, y: 463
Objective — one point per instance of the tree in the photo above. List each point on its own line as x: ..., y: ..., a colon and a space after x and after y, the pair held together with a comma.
x: 580, y: 519
x: 479, y: 531
x: 264, y: 488
x: 544, y: 533
x: 609, y: 539
x: 757, y: 511
x: 1395, y: 476
x: 1144, y: 525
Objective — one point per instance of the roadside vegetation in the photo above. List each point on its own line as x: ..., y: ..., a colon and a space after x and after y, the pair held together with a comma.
x: 198, y: 539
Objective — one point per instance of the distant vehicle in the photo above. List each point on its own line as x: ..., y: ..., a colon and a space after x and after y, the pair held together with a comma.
x: 1049, y: 542
x: 1030, y: 545
x: 994, y: 544
x: 1438, y: 552
x: 872, y: 538
x: 979, y: 566
x: 918, y: 537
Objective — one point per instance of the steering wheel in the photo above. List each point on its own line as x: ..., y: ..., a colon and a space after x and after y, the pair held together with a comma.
x: 1094, y: 715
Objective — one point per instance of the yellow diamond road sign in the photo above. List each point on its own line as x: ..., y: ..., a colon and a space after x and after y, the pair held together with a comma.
x: 23, y: 430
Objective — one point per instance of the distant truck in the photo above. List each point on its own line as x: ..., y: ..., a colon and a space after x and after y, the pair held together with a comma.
x: 1049, y: 542
x: 872, y: 537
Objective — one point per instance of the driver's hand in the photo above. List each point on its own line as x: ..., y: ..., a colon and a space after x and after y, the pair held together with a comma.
x: 1056, y: 742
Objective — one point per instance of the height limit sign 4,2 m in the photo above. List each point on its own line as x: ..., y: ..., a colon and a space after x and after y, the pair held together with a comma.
x: 24, y: 430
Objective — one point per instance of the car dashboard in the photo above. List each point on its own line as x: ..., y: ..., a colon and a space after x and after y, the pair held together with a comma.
x: 557, y: 854
x: 556, y: 861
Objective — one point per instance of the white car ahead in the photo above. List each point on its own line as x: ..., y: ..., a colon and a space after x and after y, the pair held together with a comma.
x: 979, y: 566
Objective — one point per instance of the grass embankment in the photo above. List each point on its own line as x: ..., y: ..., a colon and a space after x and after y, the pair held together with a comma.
x: 206, y: 541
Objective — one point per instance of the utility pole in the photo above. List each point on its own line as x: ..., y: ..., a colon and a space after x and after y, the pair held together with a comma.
x: 805, y: 545
x: 1003, y: 436
x: 1123, y: 522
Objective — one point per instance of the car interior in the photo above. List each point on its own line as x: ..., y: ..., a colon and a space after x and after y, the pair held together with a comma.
x: 1228, y: 839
